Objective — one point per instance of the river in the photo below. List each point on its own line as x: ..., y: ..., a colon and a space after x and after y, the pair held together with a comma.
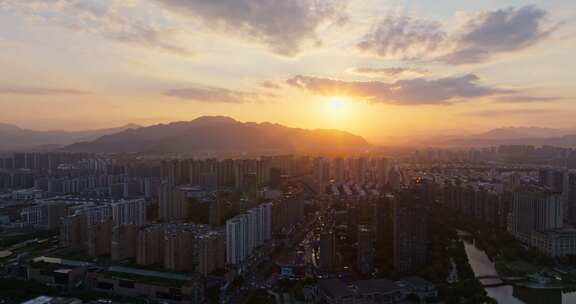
x: 483, y: 266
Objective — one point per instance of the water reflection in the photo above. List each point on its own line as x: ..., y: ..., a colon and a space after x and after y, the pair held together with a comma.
x: 483, y: 266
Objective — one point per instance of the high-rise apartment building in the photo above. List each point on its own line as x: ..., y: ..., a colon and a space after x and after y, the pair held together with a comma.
x: 129, y: 212
x: 216, y: 212
x: 328, y: 257
x: 172, y: 203
x: 179, y: 249
x: 123, y: 242
x: 410, y: 239
x: 210, y: 252
x: 237, y: 249
x: 74, y: 232
x: 365, y: 250
x: 535, y: 209
x: 246, y: 232
x: 321, y: 172
x: 100, y: 238
x: 150, y: 249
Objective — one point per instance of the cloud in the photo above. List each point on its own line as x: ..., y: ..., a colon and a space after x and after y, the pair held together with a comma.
x: 271, y: 85
x: 394, y: 72
x: 527, y: 98
x: 121, y: 21
x: 482, y: 36
x: 513, y: 112
x: 284, y: 26
x: 402, y: 37
x: 486, y: 34
x: 418, y: 91
x: 220, y: 95
x: 39, y: 91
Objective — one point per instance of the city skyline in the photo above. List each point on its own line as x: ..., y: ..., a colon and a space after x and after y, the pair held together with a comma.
x: 375, y: 68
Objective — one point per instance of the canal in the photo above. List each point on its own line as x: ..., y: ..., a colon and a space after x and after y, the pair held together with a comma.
x: 483, y: 266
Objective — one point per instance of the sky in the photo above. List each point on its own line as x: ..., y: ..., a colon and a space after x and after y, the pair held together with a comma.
x: 377, y: 68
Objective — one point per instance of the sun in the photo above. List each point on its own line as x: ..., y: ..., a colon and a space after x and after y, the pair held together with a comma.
x: 337, y: 104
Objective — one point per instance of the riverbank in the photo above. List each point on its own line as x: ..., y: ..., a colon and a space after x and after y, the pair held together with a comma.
x: 505, y: 258
x: 512, y: 259
x: 519, y: 293
x: 448, y: 267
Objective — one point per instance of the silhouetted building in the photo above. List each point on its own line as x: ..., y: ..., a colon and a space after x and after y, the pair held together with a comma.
x: 328, y: 257
x: 172, y: 203
x: 150, y: 250
x: 535, y: 209
x: 410, y: 216
x: 216, y: 213
x: 124, y: 240
x: 210, y: 252
x: 365, y: 250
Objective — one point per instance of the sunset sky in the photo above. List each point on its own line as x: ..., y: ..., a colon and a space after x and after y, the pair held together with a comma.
x: 377, y: 68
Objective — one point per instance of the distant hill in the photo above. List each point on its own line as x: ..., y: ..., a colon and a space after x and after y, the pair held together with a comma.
x: 222, y: 134
x: 516, y: 136
x: 525, y: 132
x: 567, y: 141
x: 14, y: 138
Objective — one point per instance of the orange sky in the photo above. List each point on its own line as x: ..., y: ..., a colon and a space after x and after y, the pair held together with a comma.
x: 376, y: 68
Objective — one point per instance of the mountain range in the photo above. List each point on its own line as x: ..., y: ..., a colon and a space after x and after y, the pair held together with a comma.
x: 514, y: 136
x: 219, y: 134
x: 14, y: 138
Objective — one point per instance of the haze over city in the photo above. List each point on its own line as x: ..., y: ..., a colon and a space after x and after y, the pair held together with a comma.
x: 379, y: 69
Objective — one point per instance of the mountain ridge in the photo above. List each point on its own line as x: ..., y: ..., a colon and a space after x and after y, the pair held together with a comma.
x: 15, y: 138
x: 222, y: 134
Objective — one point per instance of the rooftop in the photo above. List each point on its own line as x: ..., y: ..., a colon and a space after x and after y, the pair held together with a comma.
x: 417, y: 281
x: 335, y: 288
x: 376, y: 286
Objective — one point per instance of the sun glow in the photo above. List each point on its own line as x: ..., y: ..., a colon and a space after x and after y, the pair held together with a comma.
x: 337, y: 104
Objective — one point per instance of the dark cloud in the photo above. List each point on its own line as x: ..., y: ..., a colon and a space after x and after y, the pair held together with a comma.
x: 284, y: 26
x: 488, y: 33
x: 406, y: 92
x: 213, y: 94
x: 402, y: 37
x: 40, y: 91
x: 394, y: 72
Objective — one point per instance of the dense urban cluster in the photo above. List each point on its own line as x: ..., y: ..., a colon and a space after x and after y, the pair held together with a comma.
x: 357, y: 229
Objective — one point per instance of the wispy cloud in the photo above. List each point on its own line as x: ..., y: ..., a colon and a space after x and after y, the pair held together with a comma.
x: 402, y: 37
x: 209, y: 94
x: 5, y: 90
x: 117, y: 20
x: 392, y: 72
x: 285, y: 26
x: 513, y: 112
x: 528, y: 99
x: 416, y: 91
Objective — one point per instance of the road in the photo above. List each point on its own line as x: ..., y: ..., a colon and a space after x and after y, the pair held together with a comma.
x: 260, y: 275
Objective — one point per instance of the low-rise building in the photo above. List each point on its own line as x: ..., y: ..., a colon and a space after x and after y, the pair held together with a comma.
x: 56, y: 272
x: 164, y: 287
